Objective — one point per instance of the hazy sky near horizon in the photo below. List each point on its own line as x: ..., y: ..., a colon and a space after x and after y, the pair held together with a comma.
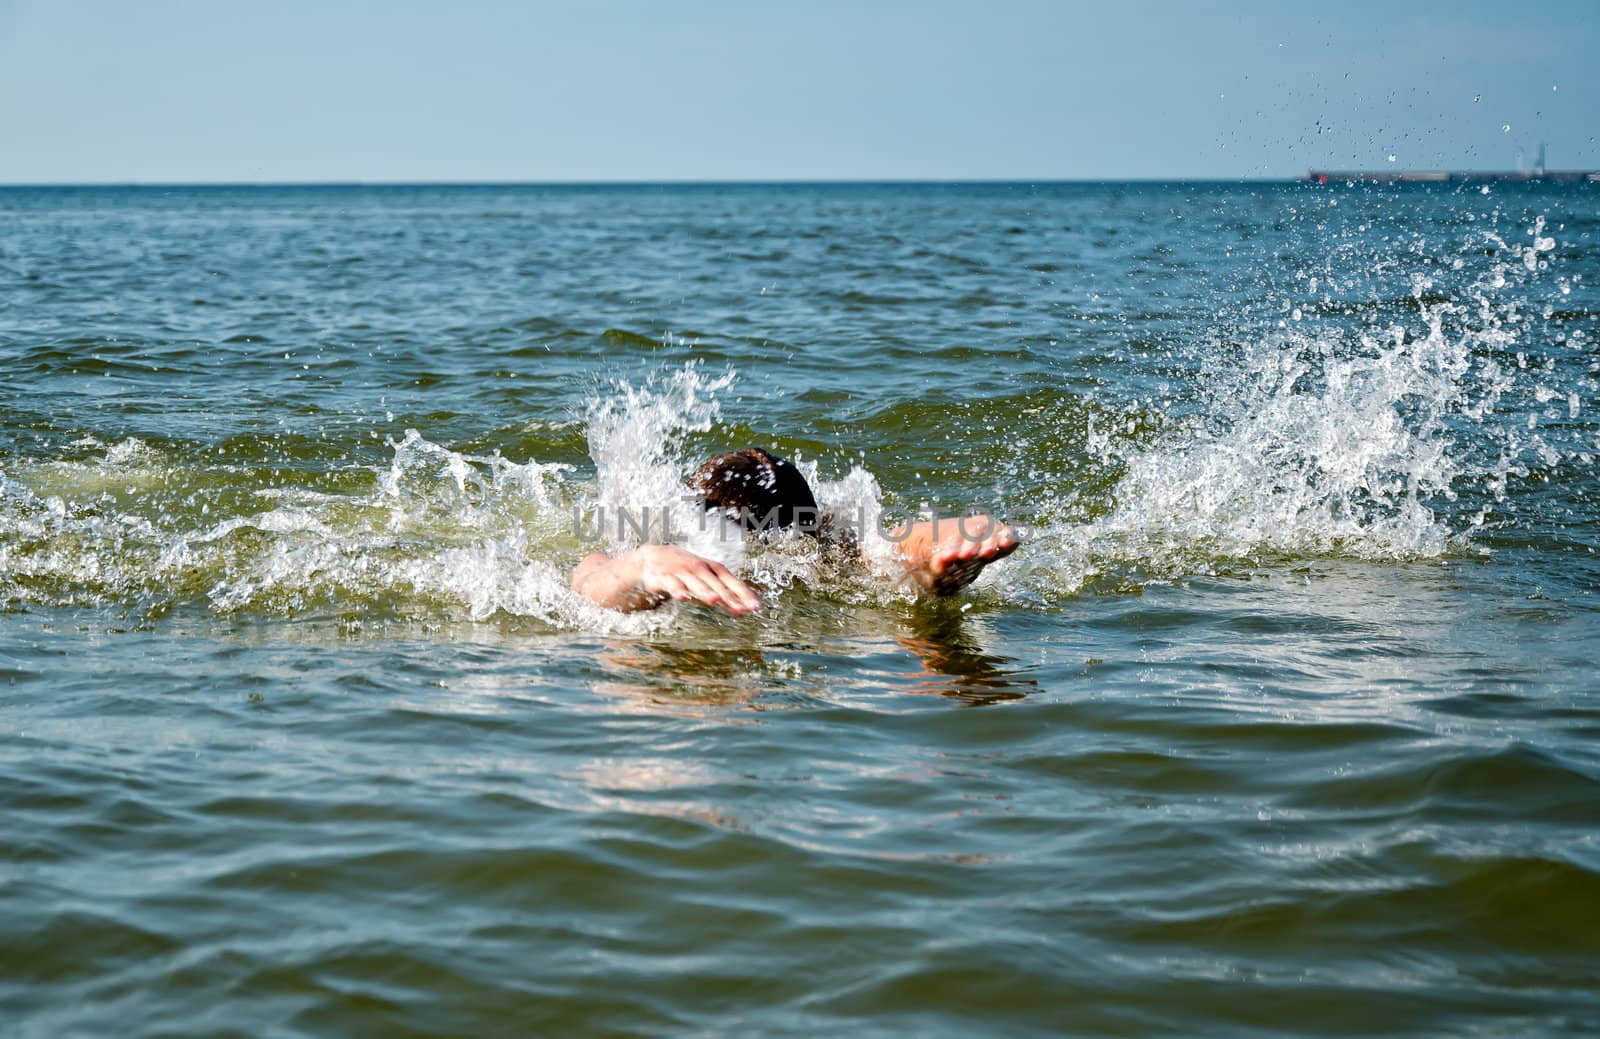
x: 340, y: 90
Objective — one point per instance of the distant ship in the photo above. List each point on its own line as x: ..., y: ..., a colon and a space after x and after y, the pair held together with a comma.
x: 1538, y: 173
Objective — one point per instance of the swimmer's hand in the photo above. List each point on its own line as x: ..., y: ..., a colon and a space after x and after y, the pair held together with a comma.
x: 946, y: 555
x: 645, y: 577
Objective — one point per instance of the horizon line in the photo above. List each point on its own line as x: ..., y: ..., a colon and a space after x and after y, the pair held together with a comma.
x: 628, y: 182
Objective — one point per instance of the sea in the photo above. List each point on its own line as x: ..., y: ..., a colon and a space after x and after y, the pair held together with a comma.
x: 1283, y: 720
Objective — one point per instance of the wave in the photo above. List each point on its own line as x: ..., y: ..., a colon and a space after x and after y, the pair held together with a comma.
x: 1394, y: 435
x: 1314, y: 438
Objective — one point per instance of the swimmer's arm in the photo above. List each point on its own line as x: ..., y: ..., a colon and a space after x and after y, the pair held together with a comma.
x: 943, y: 556
x: 645, y: 577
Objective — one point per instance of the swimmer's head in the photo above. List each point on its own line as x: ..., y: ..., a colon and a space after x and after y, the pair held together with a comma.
x: 760, y: 490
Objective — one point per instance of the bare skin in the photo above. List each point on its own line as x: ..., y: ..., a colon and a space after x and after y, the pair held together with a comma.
x: 941, y: 557
x: 646, y: 577
x: 944, y: 556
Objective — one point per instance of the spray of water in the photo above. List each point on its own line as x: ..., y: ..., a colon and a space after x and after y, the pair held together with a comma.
x: 1312, y: 437
x: 1316, y: 438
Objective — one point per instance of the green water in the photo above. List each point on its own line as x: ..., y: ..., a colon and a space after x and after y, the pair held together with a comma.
x: 1282, y: 721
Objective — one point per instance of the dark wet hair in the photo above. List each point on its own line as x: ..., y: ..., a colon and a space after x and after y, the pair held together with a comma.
x: 758, y: 489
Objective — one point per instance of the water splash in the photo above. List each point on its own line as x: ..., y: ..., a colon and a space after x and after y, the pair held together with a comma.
x: 1394, y: 434
x: 1315, y: 438
x: 636, y: 438
x: 434, y: 534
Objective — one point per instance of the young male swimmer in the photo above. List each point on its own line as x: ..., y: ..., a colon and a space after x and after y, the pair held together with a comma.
x: 940, y: 556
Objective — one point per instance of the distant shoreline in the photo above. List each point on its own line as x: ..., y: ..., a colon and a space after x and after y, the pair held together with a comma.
x: 1311, y: 177
x: 1451, y: 176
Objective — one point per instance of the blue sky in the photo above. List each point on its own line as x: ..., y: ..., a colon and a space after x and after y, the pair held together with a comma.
x: 220, y: 90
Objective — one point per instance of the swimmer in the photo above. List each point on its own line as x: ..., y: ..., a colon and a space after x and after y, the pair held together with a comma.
x: 939, y: 556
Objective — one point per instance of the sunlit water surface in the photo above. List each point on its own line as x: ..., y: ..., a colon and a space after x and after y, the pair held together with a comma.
x: 1283, y: 719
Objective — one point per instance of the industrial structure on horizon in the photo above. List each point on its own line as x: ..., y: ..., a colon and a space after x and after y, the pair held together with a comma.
x: 1538, y: 173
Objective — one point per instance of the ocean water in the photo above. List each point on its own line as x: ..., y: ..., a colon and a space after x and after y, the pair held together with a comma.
x: 1284, y: 718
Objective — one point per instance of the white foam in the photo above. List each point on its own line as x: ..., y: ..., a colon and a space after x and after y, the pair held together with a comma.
x: 1311, y: 439
x: 1317, y: 440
